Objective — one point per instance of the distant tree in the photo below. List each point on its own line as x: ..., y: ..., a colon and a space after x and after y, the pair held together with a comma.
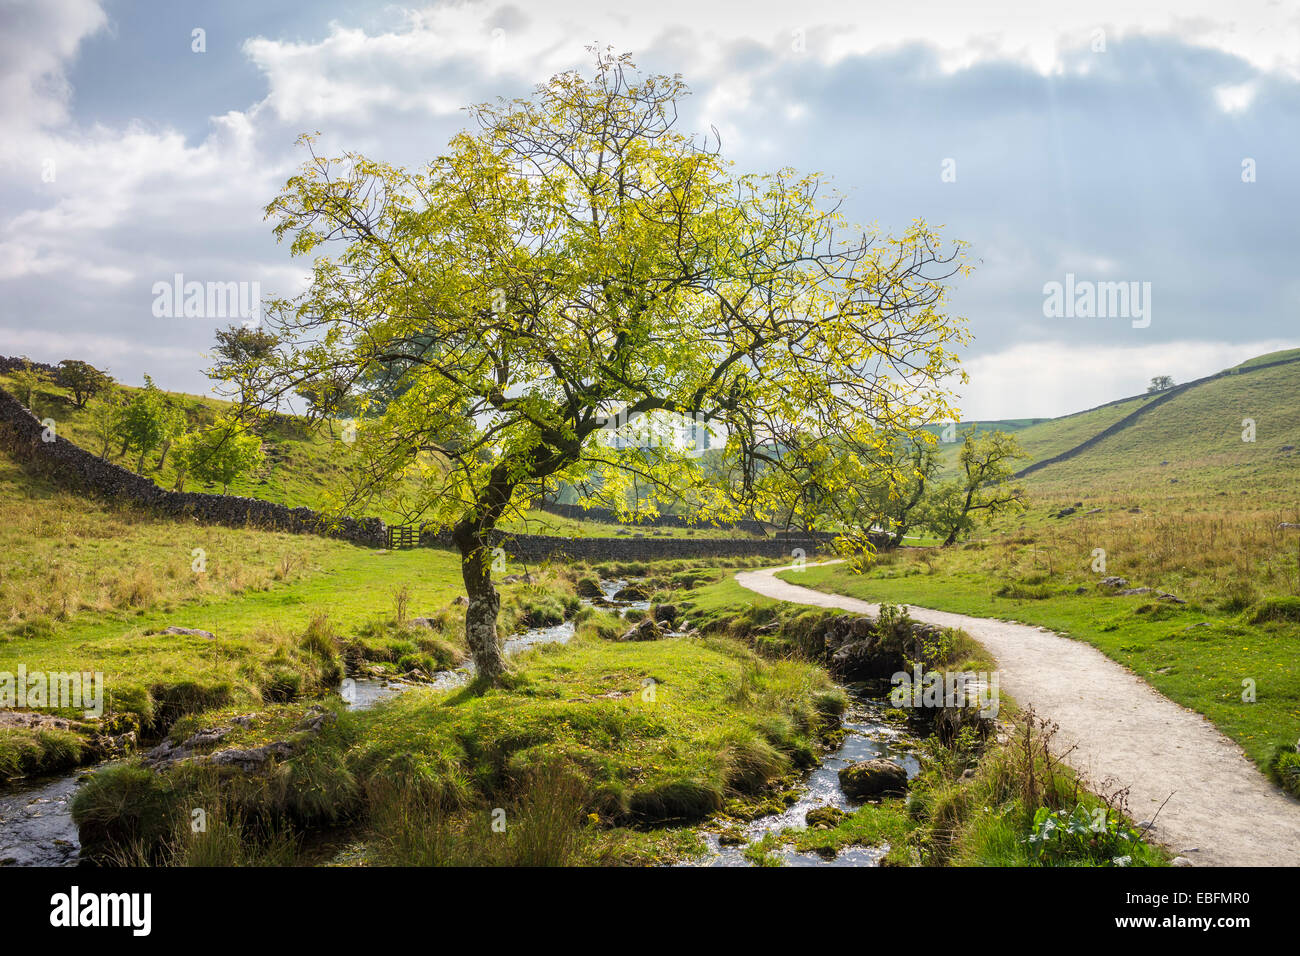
x: 328, y: 399
x: 26, y: 380
x: 1160, y: 383
x: 240, y: 354
x: 144, y: 423
x: 219, y: 454
x: 174, y: 423
x: 104, y: 418
x: 882, y: 485
x: 981, y: 489
x: 181, y: 452
x: 911, y: 469
x: 82, y: 379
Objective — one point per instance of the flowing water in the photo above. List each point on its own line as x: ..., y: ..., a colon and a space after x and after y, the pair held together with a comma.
x: 36, y: 827
x: 361, y: 693
x: 866, y: 737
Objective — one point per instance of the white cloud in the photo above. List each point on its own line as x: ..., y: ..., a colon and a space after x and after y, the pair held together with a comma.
x: 36, y: 44
x: 432, y: 60
x: 1044, y: 380
x: 1235, y: 98
x: 137, y: 179
x: 135, y: 202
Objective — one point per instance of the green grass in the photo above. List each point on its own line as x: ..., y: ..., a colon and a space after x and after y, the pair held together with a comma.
x: 1265, y: 359
x: 993, y: 804
x: 870, y: 825
x: 89, y: 586
x: 1057, y: 435
x: 588, y: 745
x: 352, y: 596
x: 1191, y: 446
x: 69, y: 558
x: 26, y: 751
x: 663, y: 730
x: 1200, y: 667
x: 303, y: 464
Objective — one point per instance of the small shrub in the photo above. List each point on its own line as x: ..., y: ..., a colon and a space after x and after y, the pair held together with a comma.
x: 1098, y: 836
x: 1024, y: 591
x: 1285, y: 767
x: 1278, y: 609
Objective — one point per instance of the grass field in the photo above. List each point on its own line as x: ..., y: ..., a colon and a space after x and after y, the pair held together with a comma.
x: 1195, y: 654
x: 1207, y: 417
x: 91, y: 586
x: 1191, y: 448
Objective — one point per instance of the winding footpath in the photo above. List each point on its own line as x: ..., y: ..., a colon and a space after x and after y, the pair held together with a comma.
x: 1221, y: 810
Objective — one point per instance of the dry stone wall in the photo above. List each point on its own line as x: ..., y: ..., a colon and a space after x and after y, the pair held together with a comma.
x: 24, y: 438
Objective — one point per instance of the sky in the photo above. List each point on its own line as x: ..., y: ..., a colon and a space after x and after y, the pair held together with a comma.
x: 1075, y: 145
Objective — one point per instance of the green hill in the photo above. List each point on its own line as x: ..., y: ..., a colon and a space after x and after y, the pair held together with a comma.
x: 1192, y: 441
x: 302, y: 463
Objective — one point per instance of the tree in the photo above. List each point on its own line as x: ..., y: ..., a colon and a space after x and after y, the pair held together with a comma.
x: 82, y: 379
x: 240, y: 353
x: 327, y: 400
x: 145, y: 421
x: 181, y: 452
x: 26, y: 380
x: 982, y: 489
x: 571, y: 263
x: 105, y: 418
x: 218, y: 454
x: 174, y: 422
x: 912, y: 465
x: 1160, y: 383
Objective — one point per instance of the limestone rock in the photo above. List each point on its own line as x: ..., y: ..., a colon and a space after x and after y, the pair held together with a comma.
x: 873, y: 778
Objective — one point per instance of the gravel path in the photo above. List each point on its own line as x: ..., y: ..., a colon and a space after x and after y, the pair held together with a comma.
x: 1222, y: 812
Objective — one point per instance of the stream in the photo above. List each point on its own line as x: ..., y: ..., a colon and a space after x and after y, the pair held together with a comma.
x: 36, y: 827
x: 866, y: 737
x: 362, y: 692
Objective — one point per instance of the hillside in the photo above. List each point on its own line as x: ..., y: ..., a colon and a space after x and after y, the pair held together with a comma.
x: 1184, y: 444
x: 302, y: 463
x: 305, y: 463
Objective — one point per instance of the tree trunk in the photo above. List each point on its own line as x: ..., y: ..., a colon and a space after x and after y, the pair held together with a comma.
x: 484, y: 605
x: 961, y: 518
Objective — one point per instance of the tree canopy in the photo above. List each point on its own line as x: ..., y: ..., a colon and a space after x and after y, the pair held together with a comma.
x: 82, y: 379
x: 574, y: 262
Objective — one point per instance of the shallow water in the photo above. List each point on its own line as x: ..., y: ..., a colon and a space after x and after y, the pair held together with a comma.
x: 611, y: 587
x: 866, y: 737
x: 36, y: 827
